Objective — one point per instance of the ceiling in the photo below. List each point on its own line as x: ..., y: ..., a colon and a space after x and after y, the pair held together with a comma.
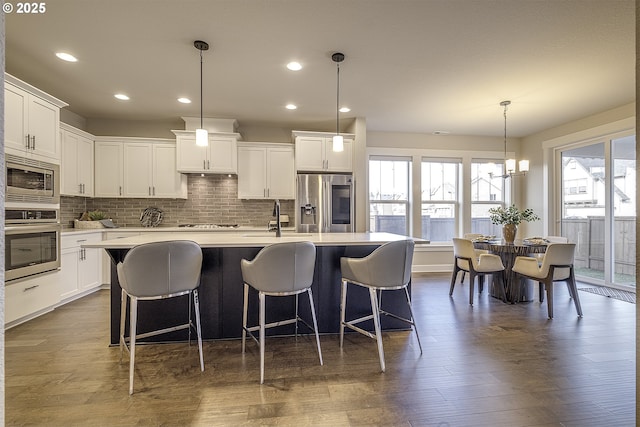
x: 411, y: 66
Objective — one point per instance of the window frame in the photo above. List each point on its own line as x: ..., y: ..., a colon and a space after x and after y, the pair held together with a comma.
x: 455, y: 201
x: 406, y: 203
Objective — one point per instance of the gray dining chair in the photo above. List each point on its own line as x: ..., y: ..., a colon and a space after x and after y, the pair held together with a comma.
x: 557, y: 266
x: 155, y: 271
x: 280, y: 269
x: 387, y: 268
x: 465, y: 259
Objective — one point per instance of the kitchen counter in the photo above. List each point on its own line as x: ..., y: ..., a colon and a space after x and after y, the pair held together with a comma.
x: 221, y: 287
x: 207, y: 239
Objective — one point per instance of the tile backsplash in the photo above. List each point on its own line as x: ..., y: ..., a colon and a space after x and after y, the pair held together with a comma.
x: 212, y: 199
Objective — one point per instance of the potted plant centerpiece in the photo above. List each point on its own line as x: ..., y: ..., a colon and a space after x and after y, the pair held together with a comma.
x: 90, y: 220
x: 510, y: 218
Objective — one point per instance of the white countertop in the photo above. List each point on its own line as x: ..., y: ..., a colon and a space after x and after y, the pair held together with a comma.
x: 251, y: 239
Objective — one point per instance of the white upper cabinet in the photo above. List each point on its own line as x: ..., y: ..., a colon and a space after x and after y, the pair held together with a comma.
x: 138, y: 174
x: 167, y: 182
x: 109, y: 168
x: 266, y: 171
x: 76, y: 165
x: 220, y: 156
x: 314, y: 153
x: 138, y: 167
x: 32, y: 121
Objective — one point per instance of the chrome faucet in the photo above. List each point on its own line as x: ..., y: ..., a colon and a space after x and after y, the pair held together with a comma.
x: 276, y: 213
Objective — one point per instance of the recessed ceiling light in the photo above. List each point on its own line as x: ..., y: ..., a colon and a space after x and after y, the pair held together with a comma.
x: 441, y: 132
x: 345, y: 109
x: 66, y: 57
x: 294, y: 66
x: 290, y: 107
x: 184, y: 100
x: 121, y: 96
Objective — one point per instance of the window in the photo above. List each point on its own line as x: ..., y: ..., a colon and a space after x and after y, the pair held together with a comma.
x: 439, y: 199
x: 389, y: 194
x: 599, y: 209
x: 488, y: 190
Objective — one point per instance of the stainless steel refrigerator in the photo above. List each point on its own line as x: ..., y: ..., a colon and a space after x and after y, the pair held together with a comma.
x: 324, y: 203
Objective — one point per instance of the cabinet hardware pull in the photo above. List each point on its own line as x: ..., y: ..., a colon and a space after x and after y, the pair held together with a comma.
x: 33, y: 140
x: 204, y: 164
x: 120, y: 190
x: 208, y: 164
x: 30, y: 288
x: 149, y: 190
x: 27, y: 140
x: 154, y: 190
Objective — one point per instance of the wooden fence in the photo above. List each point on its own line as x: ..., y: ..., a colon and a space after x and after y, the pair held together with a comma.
x: 587, y: 233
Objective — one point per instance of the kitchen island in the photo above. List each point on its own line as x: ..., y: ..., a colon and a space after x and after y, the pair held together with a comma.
x: 221, y: 288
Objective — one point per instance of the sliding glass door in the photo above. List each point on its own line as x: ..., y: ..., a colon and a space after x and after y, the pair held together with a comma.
x: 599, y: 209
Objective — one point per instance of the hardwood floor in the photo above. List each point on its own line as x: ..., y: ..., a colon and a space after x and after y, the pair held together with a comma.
x: 492, y: 364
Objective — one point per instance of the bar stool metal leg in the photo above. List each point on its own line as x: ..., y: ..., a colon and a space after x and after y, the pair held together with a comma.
x: 196, y: 303
x: 315, y: 323
x: 123, y: 318
x: 376, y: 323
x: 262, y: 317
x: 413, y: 322
x: 132, y: 329
x: 244, y: 316
x: 343, y: 309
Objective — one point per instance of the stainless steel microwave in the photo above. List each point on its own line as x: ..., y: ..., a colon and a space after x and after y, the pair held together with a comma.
x: 29, y: 180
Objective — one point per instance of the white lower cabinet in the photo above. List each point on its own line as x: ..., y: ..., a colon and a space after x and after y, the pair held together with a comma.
x: 81, y: 270
x: 30, y: 298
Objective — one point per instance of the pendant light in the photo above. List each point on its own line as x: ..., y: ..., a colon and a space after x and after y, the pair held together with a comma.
x: 510, y: 164
x: 338, y: 140
x: 202, y: 136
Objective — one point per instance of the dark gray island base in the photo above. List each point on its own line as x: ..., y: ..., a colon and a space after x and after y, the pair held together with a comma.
x: 221, y: 294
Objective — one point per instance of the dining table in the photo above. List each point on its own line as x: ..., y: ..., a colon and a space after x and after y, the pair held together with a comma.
x: 516, y: 288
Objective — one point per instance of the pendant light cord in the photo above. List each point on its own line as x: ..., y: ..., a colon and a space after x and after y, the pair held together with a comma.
x: 505, y: 131
x: 201, y: 120
x: 505, y: 104
x: 338, y: 101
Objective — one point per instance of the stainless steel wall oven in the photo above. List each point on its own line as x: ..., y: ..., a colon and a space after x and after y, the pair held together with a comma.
x: 32, y: 242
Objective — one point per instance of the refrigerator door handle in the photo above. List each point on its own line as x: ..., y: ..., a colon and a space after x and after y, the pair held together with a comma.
x: 328, y: 207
